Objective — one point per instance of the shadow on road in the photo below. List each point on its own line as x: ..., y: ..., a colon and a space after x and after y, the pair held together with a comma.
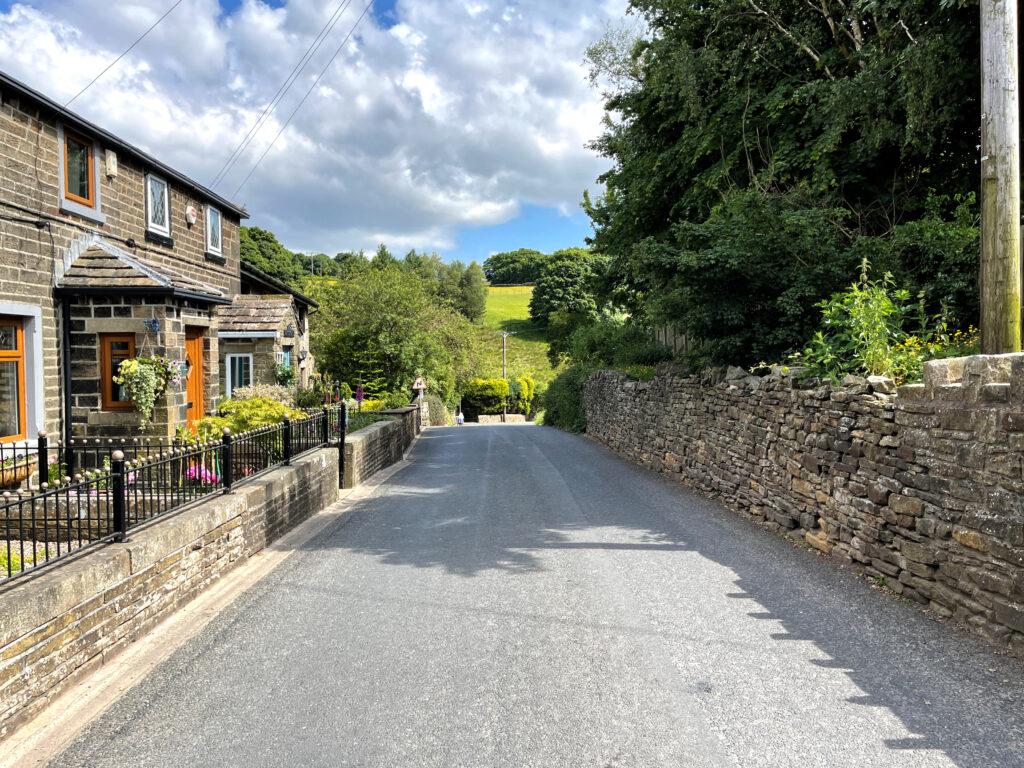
x: 500, y: 498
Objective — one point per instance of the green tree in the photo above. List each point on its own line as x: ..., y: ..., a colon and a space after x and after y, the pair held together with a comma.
x: 839, y: 116
x: 387, y: 322
x: 383, y: 259
x: 520, y: 266
x: 473, y: 293
x: 567, y: 284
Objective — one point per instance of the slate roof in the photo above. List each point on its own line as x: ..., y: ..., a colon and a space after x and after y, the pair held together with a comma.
x: 104, y: 269
x: 80, y: 124
x: 252, y: 313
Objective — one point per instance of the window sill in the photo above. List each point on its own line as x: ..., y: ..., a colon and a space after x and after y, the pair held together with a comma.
x: 216, y: 258
x: 82, y: 211
x: 156, y: 237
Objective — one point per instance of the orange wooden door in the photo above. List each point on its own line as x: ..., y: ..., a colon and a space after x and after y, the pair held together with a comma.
x: 194, y: 378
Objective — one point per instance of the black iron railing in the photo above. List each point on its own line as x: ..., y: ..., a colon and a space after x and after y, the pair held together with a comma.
x: 125, y: 483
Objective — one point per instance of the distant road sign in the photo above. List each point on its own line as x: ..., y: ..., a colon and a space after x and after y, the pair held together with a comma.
x: 419, y: 383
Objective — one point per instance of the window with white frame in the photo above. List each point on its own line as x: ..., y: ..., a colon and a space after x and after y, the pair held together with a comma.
x: 239, y: 372
x: 214, y: 236
x: 158, y: 206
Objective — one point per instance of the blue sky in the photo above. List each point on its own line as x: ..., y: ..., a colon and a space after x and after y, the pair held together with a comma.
x: 542, y: 229
x: 440, y: 125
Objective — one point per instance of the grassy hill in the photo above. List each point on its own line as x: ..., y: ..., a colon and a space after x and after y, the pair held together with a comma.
x: 508, y: 310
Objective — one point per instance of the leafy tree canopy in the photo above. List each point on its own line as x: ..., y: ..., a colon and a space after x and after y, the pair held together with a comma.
x: 520, y: 266
x: 760, y: 147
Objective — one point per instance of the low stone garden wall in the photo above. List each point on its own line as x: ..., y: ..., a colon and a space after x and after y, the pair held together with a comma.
x: 380, y: 445
x: 59, y: 624
x: 922, y: 488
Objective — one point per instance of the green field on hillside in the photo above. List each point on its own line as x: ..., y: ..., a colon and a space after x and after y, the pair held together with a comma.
x: 508, y: 310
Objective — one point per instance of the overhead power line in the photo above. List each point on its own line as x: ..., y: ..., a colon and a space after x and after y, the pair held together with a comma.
x: 303, y: 100
x: 127, y: 50
x: 268, y: 110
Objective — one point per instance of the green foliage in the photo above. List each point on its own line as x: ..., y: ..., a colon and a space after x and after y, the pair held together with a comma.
x: 759, y: 151
x: 383, y: 259
x: 472, y: 293
x: 520, y: 266
x: 395, y: 400
x: 563, y: 400
x: 284, y: 375
x: 521, y: 392
x: 146, y: 379
x: 382, y: 327
x: 439, y: 414
x: 568, y: 284
x: 359, y: 419
x: 485, y: 395
x: 867, y: 331
x: 242, y: 415
x: 608, y: 342
x: 640, y: 372
x: 308, y: 398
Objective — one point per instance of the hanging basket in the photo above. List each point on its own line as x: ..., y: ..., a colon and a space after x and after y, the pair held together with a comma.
x: 15, y: 474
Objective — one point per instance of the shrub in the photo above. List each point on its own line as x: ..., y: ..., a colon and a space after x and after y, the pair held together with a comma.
x: 865, y: 332
x: 242, y: 415
x: 439, y: 415
x: 284, y: 374
x: 521, y: 393
x: 396, y: 400
x: 278, y: 392
x: 640, y: 372
x: 485, y: 395
x: 563, y: 400
x: 309, y: 398
x: 369, y: 404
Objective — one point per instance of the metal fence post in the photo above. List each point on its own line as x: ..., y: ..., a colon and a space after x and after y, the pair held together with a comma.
x: 343, y: 430
x: 325, y: 426
x: 287, y: 436
x: 44, y: 463
x: 117, y: 490
x: 227, y: 464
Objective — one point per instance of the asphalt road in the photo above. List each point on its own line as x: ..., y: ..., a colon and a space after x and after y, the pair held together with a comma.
x: 521, y: 597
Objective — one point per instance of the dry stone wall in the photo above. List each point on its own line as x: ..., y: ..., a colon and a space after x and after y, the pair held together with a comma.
x: 922, y: 487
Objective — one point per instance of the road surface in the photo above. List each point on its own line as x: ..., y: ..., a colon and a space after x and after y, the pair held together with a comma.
x: 517, y: 596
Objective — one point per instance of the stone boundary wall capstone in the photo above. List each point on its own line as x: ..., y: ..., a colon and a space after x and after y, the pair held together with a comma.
x: 922, y: 486
x: 58, y: 625
x: 380, y: 445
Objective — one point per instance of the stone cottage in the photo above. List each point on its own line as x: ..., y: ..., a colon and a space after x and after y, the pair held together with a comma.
x: 105, y: 254
x: 264, y: 333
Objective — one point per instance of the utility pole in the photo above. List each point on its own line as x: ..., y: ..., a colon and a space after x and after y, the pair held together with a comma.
x: 504, y: 337
x: 1000, y: 277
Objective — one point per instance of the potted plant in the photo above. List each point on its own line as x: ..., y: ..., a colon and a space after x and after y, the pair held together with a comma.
x: 16, y: 470
x: 146, y: 379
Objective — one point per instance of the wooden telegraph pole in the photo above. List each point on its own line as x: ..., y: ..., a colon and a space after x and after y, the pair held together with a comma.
x: 1000, y: 277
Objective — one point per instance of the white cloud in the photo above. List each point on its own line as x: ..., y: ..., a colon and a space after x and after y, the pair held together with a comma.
x: 454, y: 117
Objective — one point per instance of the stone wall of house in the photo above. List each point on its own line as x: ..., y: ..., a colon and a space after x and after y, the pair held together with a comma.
x: 62, y: 623
x: 923, y: 489
x: 37, y: 238
x: 380, y: 445
x: 91, y: 317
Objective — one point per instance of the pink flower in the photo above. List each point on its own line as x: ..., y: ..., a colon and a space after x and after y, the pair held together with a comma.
x: 201, y: 474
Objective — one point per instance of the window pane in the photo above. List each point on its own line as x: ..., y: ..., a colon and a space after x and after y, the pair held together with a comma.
x: 241, y: 372
x: 157, y: 203
x: 77, y: 160
x: 10, y: 399
x: 214, y: 229
x: 119, y: 346
x: 8, y: 337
